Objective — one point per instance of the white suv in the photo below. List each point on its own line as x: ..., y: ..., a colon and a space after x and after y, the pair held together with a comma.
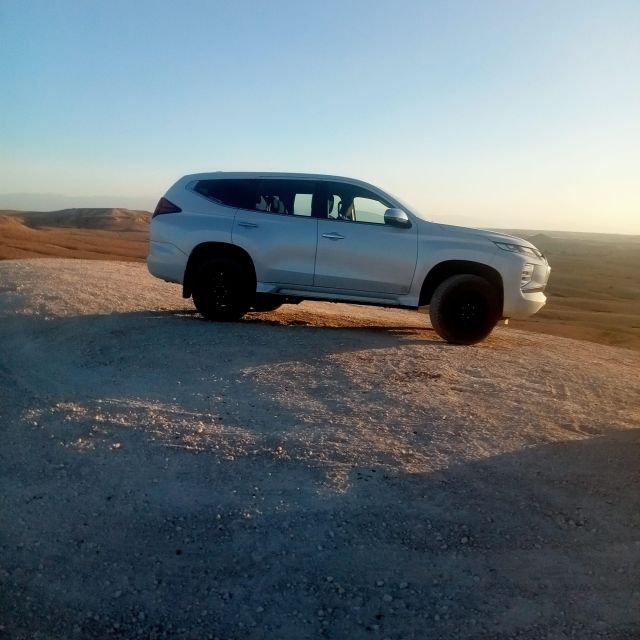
x: 241, y: 241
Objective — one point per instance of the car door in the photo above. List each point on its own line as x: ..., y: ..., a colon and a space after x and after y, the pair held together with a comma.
x: 280, y: 233
x: 356, y: 250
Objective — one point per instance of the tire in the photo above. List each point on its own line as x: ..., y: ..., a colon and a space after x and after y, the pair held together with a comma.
x: 223, y: 289
x: 464, y: 309
x: 265, y: 302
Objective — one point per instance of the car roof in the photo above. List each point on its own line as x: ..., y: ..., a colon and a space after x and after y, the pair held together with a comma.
x: 275, y: 174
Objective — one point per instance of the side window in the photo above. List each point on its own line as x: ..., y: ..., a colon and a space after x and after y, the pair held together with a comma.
x: 368, y: 210
x: 302, y: 204
x: 286, y: 197
x: 232, y: 193
x: 354, y: 204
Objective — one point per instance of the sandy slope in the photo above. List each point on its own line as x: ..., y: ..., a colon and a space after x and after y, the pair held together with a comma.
x: 321, y: 471
x: 119, y: 234
x: 105, y: 219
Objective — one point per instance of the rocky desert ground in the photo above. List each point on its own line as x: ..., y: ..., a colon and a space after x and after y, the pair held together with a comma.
x: 323, y: 471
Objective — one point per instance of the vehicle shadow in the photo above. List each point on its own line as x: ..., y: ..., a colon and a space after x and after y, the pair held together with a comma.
x: 317, y: 321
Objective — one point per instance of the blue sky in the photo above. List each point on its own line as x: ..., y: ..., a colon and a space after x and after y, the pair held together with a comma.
x: 508, y: 114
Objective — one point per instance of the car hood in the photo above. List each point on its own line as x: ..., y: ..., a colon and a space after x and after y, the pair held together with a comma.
x: 477, y: 234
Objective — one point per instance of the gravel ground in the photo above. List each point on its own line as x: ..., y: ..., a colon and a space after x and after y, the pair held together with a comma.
x: 323, y: 471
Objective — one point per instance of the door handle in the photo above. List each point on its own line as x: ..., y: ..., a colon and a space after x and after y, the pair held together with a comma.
x: 333, y: 236
x: 248, y: 225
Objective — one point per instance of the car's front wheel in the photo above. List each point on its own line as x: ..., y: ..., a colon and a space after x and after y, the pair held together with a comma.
x: 223, y: 289
x: 464, y: 309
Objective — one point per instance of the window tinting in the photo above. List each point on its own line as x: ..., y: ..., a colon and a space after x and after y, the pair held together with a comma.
x: 233, y: 193
x: 289, y: 197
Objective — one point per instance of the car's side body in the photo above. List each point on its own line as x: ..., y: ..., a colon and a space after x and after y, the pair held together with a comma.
x: 300, y: 245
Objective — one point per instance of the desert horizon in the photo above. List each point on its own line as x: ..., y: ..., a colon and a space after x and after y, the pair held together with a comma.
x: 591, y: 299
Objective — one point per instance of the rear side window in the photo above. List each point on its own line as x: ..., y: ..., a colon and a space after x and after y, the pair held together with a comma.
x: 288, y: 197
x: 232, y: 193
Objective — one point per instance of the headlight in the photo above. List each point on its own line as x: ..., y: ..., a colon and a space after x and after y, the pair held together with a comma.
x: 533, y: 277
x: 527, y: 275
x: 516, y: 248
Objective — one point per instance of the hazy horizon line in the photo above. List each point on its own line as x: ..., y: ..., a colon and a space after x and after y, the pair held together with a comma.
x: 452, y: 219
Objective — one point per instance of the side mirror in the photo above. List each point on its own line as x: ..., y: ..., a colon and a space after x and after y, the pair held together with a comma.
x: 397, y: 218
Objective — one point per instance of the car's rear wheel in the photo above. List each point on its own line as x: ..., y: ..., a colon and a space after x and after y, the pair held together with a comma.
x: 223, y: 289
x: 464, y: 309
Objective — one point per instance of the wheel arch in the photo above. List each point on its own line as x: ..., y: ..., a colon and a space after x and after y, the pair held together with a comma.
x: 443, y: 270
x: 207, y: 250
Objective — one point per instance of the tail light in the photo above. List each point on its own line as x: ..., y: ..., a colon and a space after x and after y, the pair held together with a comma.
x: 165, y: 206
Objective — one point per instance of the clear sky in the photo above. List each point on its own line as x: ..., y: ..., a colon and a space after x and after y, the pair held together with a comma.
x: 503, y: 114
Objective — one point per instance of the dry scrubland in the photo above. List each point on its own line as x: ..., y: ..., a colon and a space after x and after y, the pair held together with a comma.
x: 594, y: 293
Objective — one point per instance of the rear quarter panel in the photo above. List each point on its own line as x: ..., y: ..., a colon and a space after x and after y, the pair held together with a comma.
x: 200, y: 220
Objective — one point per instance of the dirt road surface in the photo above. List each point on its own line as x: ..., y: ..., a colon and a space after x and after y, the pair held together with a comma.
x: 323, y: 471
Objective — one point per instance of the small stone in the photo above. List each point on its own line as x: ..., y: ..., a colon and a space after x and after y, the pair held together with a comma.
x: 464, y: 539
x: 387, y: 598
x: 404, y: 585
x: 379, y: 583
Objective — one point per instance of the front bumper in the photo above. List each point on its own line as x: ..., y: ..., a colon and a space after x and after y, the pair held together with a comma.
x: 523, y: 305
x: 522, y: 302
